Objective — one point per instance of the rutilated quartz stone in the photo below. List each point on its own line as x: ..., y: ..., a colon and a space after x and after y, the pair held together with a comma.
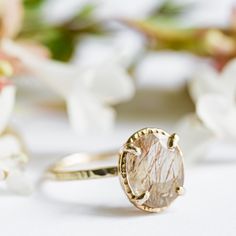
x: 157, y: 169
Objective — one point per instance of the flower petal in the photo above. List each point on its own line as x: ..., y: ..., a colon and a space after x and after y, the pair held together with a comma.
x: 218, y: 114
x: 58, y: 76
x: 19, y: 183
x: 206, y: 80
x: 110, y: 83
x: 228, y: 76
x: 12, y: 14
x: 152, y: 70
x: 86, y: 113
x: 87, y: 91
x: 3, y: 174
x: 7, y: 100
x: 109, y: 80
x: 124, y: 48
x: 9, y: 145
x: 195, y: 138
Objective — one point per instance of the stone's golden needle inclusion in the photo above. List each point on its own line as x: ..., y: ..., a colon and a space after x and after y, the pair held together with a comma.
x: 154, y: 176
x: 150, y: 169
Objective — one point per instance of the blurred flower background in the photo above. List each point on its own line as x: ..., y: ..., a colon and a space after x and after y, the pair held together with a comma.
x: 107, y: 68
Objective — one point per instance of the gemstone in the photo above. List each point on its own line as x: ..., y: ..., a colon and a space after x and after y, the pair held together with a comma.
x: 155, y: 168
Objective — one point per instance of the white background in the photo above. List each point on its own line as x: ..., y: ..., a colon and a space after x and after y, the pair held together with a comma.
x: 100, y: 207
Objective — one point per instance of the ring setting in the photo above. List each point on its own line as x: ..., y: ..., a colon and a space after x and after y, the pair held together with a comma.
x: 150, y: 169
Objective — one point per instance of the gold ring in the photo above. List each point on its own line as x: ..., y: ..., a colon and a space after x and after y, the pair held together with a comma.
x: 150, y: 169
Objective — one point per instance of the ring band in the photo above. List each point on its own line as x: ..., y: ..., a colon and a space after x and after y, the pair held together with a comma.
x: 150, y: 169
x: 59, y: 170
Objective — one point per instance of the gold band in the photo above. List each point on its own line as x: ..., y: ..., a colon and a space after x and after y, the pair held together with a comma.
x: 147, y: 184
x: 60, y: 170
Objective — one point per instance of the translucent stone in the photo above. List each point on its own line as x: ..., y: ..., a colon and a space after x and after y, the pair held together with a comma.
x: 157, y: 169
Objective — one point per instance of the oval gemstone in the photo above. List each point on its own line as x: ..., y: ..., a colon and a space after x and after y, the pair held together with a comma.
x: 156, y: 169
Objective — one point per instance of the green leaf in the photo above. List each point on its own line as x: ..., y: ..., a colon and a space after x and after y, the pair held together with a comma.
x: 33, y: 3
x: 60, y: 39
x: 86, y: 11
x: 61, y: 45
x: 171, y: 9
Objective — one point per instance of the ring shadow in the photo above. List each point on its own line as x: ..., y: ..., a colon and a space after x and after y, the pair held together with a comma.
x: 92, y: 209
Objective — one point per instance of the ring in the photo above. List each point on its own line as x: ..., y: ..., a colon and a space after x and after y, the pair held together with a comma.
x: 150, y: 169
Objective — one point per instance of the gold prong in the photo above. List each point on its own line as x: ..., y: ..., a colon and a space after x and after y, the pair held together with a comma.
x: 180, y: 190
x: 142, y: 198
x: 130, y: 148
x: 172, y: 141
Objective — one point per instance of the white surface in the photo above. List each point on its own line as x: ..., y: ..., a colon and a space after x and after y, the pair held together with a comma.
x: 100, y: 207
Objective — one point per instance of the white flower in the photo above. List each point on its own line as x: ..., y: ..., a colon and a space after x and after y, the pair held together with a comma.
x: 87, y: 90
x: 11, y: 14
x: 12, y: 165
x: 194, y: 138
x: 7, y: 100
x: 207, y: 80
x: 218, y: 113
x: 214, y: 95
x: 151, y: 69
x: 55, y: 11
x: 123, y: 47
x: 12, y: 160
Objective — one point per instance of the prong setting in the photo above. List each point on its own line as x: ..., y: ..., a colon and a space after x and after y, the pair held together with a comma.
x: 172, y: 141
x: 130, y: 148
x: 135, y: 174
x: 180, y: 190
x: 141, y: 199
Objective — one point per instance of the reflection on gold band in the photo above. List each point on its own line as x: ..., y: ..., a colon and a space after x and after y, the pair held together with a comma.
x: 60, y: 170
